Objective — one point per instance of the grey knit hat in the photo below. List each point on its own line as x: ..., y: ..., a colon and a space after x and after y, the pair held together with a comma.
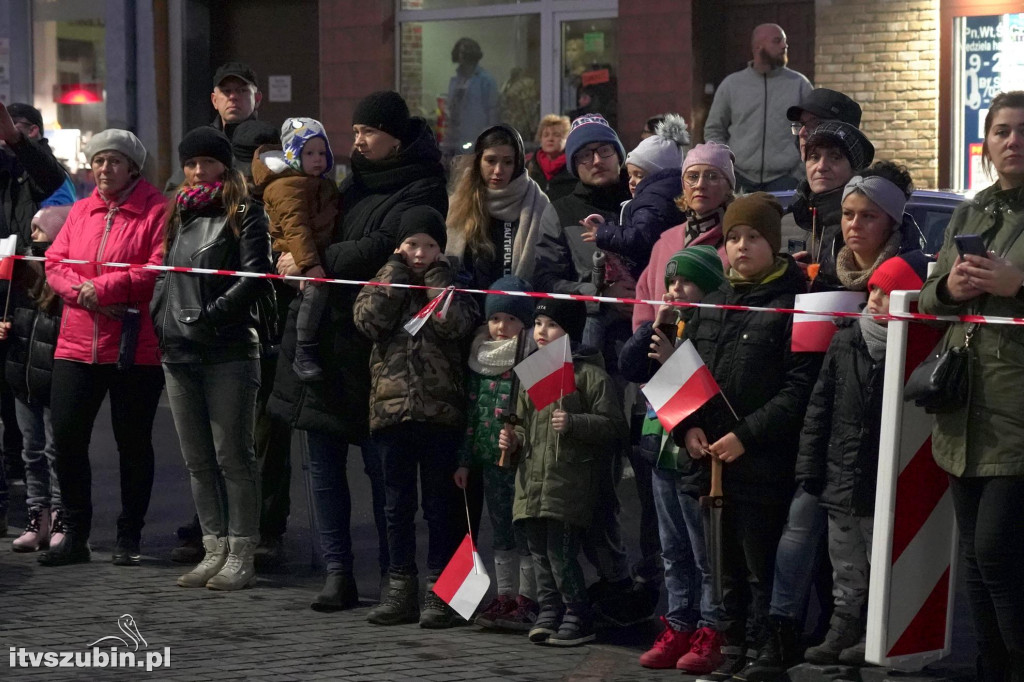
x: 115, y: 139
x: 665, y: 149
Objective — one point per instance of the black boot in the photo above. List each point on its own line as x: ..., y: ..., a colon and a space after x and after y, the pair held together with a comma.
x: 401, y: 605
x: 339, y: 593
x: 190, y: 549
x: 306, y: 364
x: 844, y: 631
x: 71, y: 551
x: 777, y: 655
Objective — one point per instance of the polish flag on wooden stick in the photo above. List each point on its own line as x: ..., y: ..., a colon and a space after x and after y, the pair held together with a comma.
x: 547, y: 375
x: 464, y: 581
x: 681, y: 386
x: 416, y: 322
x: 813, y: 333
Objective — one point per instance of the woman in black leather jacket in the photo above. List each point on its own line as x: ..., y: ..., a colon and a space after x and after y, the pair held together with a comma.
x: 207, y: 328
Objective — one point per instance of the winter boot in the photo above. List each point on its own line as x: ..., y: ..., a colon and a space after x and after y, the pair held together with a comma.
x: 190, y: 547
x: 436, y: 614
x: 238, y: 571
x: 339, y: 593
x: 401, y: 605
x: 37, y: 531
x: 843, y: 633
x: 853, y: 655
x: 306, y: 364
x: 216, y: 555
x: 70, y: 551
x: 705, y: 654
x: 57, y: 527
x: 779, y: 653
x: 668, y: 648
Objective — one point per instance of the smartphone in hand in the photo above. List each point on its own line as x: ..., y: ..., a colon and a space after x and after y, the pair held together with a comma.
x: 970, y: 244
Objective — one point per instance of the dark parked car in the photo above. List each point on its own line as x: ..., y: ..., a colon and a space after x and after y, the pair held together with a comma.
x: 931, y: 209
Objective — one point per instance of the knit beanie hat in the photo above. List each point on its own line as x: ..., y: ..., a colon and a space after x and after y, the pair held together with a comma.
x: 586, y: 130
x: 849, y: 139
x: 569, y: 315
x: 760, y: 211
x: 422, y: 220
x: 250, y: 135
x: 119, y: 141
x: 519, y: 307
x: 205, y: 141
x: 713, y: 154
x: 906, y: 272
x: 27, y: 112
x: 384, y: 110
x: 295, y: 133
x: 664, y: 149
x: 699, y: 264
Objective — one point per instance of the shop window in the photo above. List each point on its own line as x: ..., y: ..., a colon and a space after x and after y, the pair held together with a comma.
x: 439, y: 82
x: 590, y: 60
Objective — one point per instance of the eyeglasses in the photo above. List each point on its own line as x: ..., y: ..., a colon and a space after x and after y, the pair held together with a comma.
x: 585, y: 157
x: 796, y: 126
x: 693, y: 178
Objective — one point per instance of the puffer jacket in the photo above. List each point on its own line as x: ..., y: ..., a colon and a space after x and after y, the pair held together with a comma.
x: 652, y: 211
x: 133, y: 233
x: 414, y: 378
x: 964, y: 442
x: 839, y: 442
x: 32, y: 343
x: 374, y: 197
x: 213, y: 318
x: 301, y: 208
x: 559, y: 185
x: 489, y: 399
x: 765, y: 382
x: 558, y: 475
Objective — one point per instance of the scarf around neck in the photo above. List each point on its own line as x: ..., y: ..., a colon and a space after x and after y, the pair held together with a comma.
x: 199, y: 196
x: 853, y: 279
x: 490, y: 357
x: 875, y: 337
x: 548, y: 165
x: 777, y: 270
x: 696, y: 225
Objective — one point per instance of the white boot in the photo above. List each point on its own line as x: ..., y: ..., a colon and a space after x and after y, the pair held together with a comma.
x: 37, y: 532
x: 238, y: 571
x: 216, y: 555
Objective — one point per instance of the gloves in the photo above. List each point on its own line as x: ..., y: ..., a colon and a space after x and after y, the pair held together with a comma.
x: 438, y: 275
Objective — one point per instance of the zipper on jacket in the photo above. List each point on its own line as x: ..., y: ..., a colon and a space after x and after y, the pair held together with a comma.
x: 764, y: 125
x: 28, y: 359
x: 96, y: 315
x: 169, y: 279
x: 206, y: 247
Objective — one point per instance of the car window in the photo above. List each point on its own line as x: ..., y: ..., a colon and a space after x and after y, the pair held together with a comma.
x: 933, y: 223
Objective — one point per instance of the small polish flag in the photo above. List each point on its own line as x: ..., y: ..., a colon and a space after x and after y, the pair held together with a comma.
x: 548, y: 374
x: 681, y: 386
x: 464, y: 581
x: 812, y: 333
x: 416, y: 322
x: 7, y: 248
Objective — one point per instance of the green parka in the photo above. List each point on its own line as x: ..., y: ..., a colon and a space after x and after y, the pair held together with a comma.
x: 564, y: 488
x: 986, y: 436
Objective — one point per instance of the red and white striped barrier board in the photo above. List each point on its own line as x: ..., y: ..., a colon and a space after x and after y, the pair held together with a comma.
x: 914, y: 548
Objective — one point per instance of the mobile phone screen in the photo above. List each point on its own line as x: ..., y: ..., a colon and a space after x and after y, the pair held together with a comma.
x: 970, y: 244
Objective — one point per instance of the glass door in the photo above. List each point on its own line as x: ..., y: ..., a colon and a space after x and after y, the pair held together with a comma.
x: 586, y: 64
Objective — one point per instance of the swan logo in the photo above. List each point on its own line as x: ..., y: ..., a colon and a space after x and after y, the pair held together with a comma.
x: 116, y: 652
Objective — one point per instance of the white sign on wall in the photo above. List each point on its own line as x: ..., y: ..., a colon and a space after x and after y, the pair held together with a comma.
x: 279, y: 89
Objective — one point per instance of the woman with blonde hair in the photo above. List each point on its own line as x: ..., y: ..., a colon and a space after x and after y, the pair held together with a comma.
x: 494, y: 214
x: 547, y: 165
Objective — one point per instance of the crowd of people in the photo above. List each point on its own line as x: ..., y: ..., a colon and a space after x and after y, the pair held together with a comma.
x: 438, y: 415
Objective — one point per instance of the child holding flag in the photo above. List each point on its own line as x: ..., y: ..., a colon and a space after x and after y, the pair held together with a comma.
x: 689, y: 641
x: 565, y: 442
x: 417, y: 404
x: 753, y: 427
x: 492, y: 355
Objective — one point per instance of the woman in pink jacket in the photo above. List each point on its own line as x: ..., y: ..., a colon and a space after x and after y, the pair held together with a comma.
x: 121, y: 222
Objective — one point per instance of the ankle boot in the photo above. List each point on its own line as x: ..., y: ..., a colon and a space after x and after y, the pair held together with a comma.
x: 238, y: 571
x: 216, y: 555
x: 339, y: 593
x: 843, y: 633
x: 436, y: 614
x: 71, y: 551
x: 401, y: 605
x: 306, y: 364
x: 37, y: 531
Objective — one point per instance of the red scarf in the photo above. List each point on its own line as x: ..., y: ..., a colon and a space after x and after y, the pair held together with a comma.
x: 550, y: 167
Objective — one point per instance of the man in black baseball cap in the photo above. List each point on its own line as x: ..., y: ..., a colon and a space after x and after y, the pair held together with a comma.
x: 820, y: 105
x: 235, y: 96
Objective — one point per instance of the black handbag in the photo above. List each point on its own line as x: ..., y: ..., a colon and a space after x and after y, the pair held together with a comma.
x: 939, y: 383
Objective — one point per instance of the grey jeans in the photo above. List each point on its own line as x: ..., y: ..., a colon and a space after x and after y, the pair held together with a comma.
x: 214, y: 410
x: 849, y: 548
x: 42, y: 489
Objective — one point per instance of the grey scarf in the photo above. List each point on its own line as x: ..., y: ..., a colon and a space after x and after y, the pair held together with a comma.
x: 875, y: 335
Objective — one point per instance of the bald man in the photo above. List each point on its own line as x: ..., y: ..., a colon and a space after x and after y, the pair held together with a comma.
x: 749, y: 115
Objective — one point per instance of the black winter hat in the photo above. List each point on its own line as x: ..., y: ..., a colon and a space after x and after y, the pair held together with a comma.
x: 249, y: 136
x: 205, y: 141
x: 569, y: 315
x: 847, y: 138
x: 519, y: 307
x: 384, y: 110
x: 422, y: 220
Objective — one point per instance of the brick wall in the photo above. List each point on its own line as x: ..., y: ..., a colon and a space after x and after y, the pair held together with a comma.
x: 357, y: 57
x: 655, y: 63
x: 885, y: 55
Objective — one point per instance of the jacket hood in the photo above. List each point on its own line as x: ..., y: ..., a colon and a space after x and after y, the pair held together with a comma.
x: 588, y: 354
x: 269, y: 164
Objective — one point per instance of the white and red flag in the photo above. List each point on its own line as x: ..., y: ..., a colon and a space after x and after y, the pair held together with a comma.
x: 8, y: 245
x: 548, y: 374
x: 813, y: 333
x: 464, y: 581
x: 681, y: 386
x: 416, y: 322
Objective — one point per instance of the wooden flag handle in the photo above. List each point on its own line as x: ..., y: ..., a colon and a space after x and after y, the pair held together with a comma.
x: 716, y: 477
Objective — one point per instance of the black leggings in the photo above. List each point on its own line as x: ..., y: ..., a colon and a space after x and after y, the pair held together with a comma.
x: 988, y: 513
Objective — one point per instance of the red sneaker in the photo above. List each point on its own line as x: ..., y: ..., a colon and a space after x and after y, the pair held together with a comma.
x: 502, y: 605
x: 670, y: 645
x: 705, y: 654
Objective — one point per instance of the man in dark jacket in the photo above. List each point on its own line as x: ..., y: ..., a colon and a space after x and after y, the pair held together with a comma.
x: 29, y: 174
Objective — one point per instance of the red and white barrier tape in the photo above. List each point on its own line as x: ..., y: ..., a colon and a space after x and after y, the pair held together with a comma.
x: 918, y: 317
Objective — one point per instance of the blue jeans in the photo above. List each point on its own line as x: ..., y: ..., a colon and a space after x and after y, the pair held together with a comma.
x: 332, y: 501
x: 796, y: 560
x: 432, y: 451
x: 687, y: 571
x: 214, y: 410
x: 42, y: 491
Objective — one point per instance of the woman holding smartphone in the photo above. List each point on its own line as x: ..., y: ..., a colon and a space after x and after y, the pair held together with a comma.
x: 986, y: 472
